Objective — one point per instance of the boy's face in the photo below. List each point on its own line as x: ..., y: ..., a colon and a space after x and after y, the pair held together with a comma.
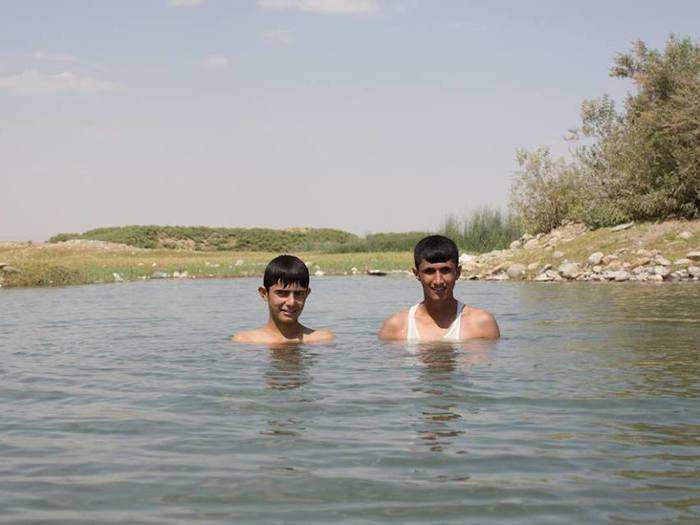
x: 285, y: 302
x: 438, y: 279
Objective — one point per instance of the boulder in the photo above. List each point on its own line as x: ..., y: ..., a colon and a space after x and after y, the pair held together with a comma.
x: 621, y: 276
x: 548, y: 275
x: 621, y: 227
x: 526, y: 237
x: 515, y: 245
x: 663, y: 271
x: 655, y: 278
x: 3, y: 264
x: 159, y: 275
x: 497, y: 269
x: 497, y: 277
x: 685, y: 235
x: 319, y: 273
x: 117, y: 277
x: 465, y: 258
x: 533, y: 266
x: 694, y: 271
x: 642, y: 261
x: 663, y: 261
x: 239, y: 262
x: 532, y: 244
x: 609, y: 258
x: 693, y: 256
x: 516, y: 271
x: 557, y: 255
x: 180, y: 275
x: 10, y: 269
x: 569, y: 270
x: 595, y: 258
x: 682, y: 262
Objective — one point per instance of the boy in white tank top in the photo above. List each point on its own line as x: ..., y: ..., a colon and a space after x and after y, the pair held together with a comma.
x: 439, y: 317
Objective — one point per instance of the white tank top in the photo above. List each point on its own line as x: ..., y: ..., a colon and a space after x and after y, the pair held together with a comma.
x: 452, y: 333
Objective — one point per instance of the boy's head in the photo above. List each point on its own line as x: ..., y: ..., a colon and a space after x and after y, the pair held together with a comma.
x: 286, y: 269
x: 285, y: 288
x: 435, y: 249
x: 437, y: 267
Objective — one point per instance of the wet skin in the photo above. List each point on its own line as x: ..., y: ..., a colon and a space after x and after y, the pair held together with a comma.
x: 439, y: 307
x: 285, y: 304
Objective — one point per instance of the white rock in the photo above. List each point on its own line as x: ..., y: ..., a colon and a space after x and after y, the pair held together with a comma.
x: 621, y: 227
x: 655, y: 278
x: 682, y: 262
x: 595, y: 258
x: 465, y: 258
x: 569, y: 270
x: 516, y: 271
x: 239, y: 262
x: 526, y: 237
x: 533, y: 266
x: 532, y: 244
x: 660, y: 259
x: 353, y: 270
x: 693, y: 256
x: 548, y: 275
x: 319, y: 273
x: 663, y: 271
x: 694, y: 271
x: 515, y: 245
x: 117, y: 278
x: 621, y: 276
x: 685, y: 235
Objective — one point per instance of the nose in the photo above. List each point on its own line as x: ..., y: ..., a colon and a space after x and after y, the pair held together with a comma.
x: 439, y: 279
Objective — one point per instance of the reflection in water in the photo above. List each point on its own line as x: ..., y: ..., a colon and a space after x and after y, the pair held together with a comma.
x: 442, y: 367
x: 288, y: 369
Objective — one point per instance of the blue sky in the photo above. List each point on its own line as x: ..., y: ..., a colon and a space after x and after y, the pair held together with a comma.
x: 365, y: 115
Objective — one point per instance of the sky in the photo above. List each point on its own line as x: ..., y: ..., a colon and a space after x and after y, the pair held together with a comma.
x: 363, y: 115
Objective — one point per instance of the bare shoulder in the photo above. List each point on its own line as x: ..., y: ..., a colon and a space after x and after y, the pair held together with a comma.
x: 319, y: 336
x: 480, y: 323
x: 394, y: 327
x: 250, y: 336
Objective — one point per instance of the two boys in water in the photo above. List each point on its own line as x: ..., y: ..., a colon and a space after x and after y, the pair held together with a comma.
x: 439, y: 317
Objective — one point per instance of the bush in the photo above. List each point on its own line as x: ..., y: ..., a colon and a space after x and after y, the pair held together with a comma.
x: 641, y: 164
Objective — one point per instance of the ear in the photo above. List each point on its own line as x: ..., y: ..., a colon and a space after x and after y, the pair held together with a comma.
x: 263, y: 293
x: 459, y: 270
x: 415, y: 272
x: 308, y: 292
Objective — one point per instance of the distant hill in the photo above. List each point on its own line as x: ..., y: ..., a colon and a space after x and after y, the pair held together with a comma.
x: 202, y: 238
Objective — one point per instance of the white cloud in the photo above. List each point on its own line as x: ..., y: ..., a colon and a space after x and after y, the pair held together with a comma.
x: 185, y: 3
x: 329, y: 7
x: 279, y: 36
x: 215, y: 61
x: 32, y: 81
x: 55, y: 57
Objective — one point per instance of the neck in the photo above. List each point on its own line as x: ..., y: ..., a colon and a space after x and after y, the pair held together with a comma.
x: 438, y: 309
x: 286, y: 330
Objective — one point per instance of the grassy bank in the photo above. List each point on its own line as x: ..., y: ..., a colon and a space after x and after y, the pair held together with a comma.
x: 53, y: 265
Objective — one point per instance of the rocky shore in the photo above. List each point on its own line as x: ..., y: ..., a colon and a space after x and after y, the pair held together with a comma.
x: 663, y: 252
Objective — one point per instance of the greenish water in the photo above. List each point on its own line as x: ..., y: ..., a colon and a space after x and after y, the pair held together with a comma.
x: 127, y: 404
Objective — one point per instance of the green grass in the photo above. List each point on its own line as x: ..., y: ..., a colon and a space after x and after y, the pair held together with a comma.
x: 42, y: 266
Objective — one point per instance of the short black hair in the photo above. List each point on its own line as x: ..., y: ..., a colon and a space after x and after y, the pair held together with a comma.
x: 435, y: 249
x: 286, y: 269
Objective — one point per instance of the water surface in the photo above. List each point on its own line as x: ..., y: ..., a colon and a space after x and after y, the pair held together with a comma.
x: 127, y: 403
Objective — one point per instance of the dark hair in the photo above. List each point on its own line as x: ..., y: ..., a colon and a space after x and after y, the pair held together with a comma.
x: 288, y: 270
x: 434, y: 249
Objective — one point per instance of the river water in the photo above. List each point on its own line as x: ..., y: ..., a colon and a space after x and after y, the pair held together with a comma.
x: 127, y: 403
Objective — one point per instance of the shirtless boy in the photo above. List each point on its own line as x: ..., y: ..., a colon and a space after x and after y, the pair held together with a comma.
x: 439, y: 317
x: 285, y: 290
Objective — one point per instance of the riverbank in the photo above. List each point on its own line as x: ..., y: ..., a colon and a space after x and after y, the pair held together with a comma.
x: 654, y: 252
